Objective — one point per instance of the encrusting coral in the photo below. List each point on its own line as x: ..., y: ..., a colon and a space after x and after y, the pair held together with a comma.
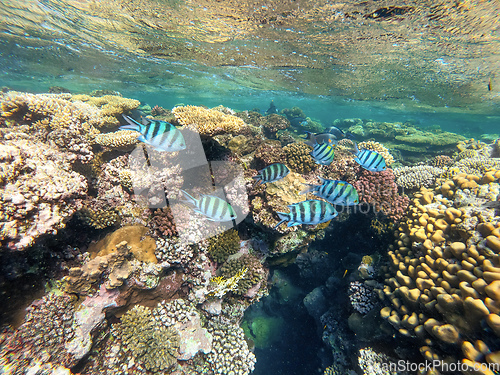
x: 208, y: 122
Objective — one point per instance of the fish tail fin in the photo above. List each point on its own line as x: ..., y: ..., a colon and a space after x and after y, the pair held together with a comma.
x: 283, y: 217
x: 132, y: 124
x: 310, y: 188
x: 258, y: 180
x: 189, y: 198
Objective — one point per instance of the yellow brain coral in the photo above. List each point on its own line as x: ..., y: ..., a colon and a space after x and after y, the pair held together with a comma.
x: 208, y: 121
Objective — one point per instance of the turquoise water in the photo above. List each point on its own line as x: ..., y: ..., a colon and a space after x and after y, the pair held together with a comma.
x: 422, y: 66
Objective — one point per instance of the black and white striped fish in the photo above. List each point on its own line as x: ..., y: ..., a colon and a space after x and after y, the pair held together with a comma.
x: 161, y: 135
x: 323, y: 153
x: 335, y: 191
x: 369, y: 160
x: 310, y: 212
x: 271, y: 173
x: 214, y: 208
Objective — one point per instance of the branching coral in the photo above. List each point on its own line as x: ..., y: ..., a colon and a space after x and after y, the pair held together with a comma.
x: 298, y: 158
x: 44, y: 194
x: 149, y: 342
x: 118, y: 139
x: 417, y: 176
x: 223, y: 245
x: 253, y: 282
x: 380, y: 190
x: 443, y: 283
x: 208, y: 122
x: 47, y: 329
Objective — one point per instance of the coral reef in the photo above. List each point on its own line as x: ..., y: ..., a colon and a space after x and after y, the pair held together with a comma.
x: 402, y: 137
x: 272, y: 123
x: 417, y: 176
x: 269, y: 152
x: 298, y: 158
x: 208, y: 122
x: 223, y: 245
x: 43, y: 337
x: 380, y: 190
x: 361, y: 296
x: 443, y: 280
x: 151, y: 344
x: 118, y: 139
x: 39, y: 191
x: 230, y: 352
x: 253, y: 282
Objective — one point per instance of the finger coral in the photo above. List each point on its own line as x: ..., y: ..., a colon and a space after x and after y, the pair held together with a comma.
x: 208, y: 122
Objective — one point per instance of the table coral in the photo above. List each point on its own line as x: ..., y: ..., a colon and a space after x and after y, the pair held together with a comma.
x: 443, y: 279
x: 208, y: 122
x: 39, y: 193
x: 380, y: 190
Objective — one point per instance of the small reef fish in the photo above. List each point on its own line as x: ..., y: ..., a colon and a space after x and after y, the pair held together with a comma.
x: 298, y: 121
x: 214, y: 208
x: 271, y: 173
x: 318, y: 138
x: 323, y: 153
x: 369, y: 160
x: 334, y: 191
x: 161, y: 135
x: 310, y: 212
x: 272, y: 108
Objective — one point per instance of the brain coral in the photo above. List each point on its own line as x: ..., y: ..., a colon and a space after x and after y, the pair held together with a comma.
x: 208, y: 122
x: 444, y: 280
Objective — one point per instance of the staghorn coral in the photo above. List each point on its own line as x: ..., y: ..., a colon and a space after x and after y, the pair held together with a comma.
x: 208, y: 122
x: 443, y: 279
x: 151, y: 343
x: 298, y: 158
x: 39, y: 193
x: 378, y: 147
x: 417, y: 176
x: 118, y: 139
x: 380, y: 190
x: 222, y: 285
x: 223, y: 245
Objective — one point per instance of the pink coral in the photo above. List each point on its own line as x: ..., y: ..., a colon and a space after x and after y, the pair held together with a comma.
x: 380, y: 190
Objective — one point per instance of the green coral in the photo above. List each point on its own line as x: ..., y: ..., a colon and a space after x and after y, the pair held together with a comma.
x: 151, y: 344
x: 254, y: 275
x: 223, y: 245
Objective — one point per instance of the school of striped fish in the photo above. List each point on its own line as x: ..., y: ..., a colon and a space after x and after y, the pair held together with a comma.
x: 165, y: 137
x: 334, y: 192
